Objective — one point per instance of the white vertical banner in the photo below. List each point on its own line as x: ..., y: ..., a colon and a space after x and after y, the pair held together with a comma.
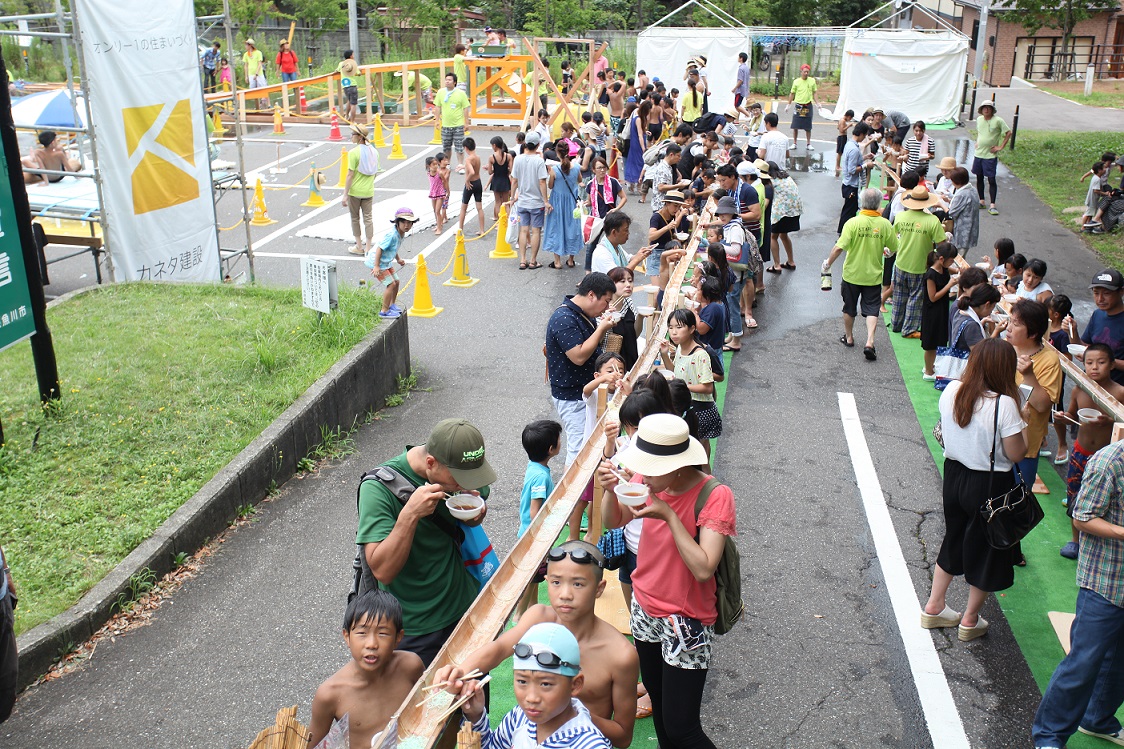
x: 146, y: 104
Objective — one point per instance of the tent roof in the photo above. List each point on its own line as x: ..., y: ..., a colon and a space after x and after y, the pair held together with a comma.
x: 707, y: 5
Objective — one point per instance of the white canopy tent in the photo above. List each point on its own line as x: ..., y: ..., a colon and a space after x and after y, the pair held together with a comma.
x: 663, y: 52
x: 919, y: 72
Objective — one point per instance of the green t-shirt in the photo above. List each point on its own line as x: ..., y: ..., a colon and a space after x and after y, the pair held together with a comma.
x: 989, y: 133
x: 917, y: 233
x: 347, y: 69
x: 453, y: 106
x: 803, y: 88
x: 362, y: 185
x: 863, y: 238
x: 253, y: 62
x: 433, y: 587
x: 461, y: 69
x: 543, y: 88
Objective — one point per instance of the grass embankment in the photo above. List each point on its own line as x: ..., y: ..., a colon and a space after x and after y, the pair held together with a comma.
x: 1052, y: 163
x: 1107, y: 93
x: 162, y: 385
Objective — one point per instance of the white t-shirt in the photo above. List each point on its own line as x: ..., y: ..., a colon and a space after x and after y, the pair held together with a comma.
x: 776, y: 146
x: 605, y: 259
x: 1032, y: 294
x: 971, y: 445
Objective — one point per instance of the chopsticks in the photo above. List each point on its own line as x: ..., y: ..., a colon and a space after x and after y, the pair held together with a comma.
x: 457, y: 705
x: 435, y: 689
x: 1067, y: 417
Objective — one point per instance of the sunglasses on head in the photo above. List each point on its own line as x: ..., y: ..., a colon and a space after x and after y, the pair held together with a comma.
x: 545, y: 658
x: 578, y: 556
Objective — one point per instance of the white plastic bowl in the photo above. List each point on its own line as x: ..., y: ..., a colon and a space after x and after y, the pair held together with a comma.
x: 1076, y: 350
x: 1085, y: 415
x: 643, y: 311
x: 1010, y: 298
x: 464, y: 506
x: 631, y: 495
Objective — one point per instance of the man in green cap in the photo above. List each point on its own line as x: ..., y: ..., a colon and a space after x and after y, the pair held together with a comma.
x: 408, y: 544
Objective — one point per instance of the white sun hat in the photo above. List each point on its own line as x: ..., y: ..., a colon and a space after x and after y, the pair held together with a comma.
x: 662, y: 444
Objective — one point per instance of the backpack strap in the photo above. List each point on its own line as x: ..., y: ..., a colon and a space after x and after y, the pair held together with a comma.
x: 402, y: 489
x: 704, y: 495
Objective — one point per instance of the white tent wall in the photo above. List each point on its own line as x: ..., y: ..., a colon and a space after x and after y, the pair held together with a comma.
x: 920, y: 73
x: 663, y: 51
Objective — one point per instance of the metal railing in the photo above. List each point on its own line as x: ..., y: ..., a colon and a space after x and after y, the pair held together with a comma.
x: 1046, y: 62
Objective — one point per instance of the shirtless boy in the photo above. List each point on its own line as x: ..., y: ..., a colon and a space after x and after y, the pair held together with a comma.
x: 50, y: 157
x: 609, y: 662
x: 376, y: 680
x: 1092, y: 435
x: 473, y: 187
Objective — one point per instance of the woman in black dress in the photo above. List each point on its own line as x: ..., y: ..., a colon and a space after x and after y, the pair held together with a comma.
x: 499, y: 166
x: 934, y: 304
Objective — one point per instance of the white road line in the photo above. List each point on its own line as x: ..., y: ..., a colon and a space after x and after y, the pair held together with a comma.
x: 941, y: 715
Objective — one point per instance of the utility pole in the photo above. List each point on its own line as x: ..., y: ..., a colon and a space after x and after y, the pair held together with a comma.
x: 353, y: 27
x: 981, y: 40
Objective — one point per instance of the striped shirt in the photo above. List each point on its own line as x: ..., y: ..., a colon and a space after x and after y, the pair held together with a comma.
x: 913, y: 148
x: 1100, y: 566
x: 516, y: 731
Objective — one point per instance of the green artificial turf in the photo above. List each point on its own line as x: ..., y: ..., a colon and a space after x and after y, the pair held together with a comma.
x: 1047, y: 583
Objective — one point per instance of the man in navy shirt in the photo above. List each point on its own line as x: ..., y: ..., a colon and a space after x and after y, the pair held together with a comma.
x: 573, y: 338
x: 1106, y: 324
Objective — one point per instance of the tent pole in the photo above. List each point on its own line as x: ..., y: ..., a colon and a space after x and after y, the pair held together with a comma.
x: 682, y: 7
x: 238, y: 141
x: 76, y: 37
x: 722, y: 14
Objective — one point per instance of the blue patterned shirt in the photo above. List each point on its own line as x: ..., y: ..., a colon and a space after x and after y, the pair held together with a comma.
x: 516, y: 731
x: 1100, y: 566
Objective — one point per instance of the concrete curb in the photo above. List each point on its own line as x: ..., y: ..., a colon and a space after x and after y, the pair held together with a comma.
x: 356, y: 384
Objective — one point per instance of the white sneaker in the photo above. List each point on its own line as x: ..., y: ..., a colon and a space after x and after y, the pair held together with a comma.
x: 928, y: 377
x: 1115, y: 738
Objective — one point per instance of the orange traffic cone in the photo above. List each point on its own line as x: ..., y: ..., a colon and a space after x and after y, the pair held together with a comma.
x: 278, y: 124
x: 334, y: 134
x: 423, y: 299
x: 303, y: 101
x: 503, y: 249
x: 460, y: 266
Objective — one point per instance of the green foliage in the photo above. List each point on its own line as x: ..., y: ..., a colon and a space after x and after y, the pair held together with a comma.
x: 179, y: 559
x: 1057, y: 14
x: 162, y: 387
x: 139, y: 584
x: 1050, y: 163
x: 44, y: 60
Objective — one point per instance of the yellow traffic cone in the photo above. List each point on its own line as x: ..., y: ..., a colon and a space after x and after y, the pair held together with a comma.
x: 343, y: 169
x: 314, y: 198
x: 278, y: 125
x: 396, y: 145
x: 460, y: 266
x: 503, y: 250
x: 423, y: 300
x: 436, y: 141
x: 261, y: 213
x: 220, y: 131
x: 379, y: 141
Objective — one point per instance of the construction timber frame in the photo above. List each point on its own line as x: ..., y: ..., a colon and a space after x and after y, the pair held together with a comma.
x: 423, y: 726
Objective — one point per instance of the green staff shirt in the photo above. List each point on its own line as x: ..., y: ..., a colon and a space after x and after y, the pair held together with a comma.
x: 989, y: 133
x: 460, y: 69
x: 803, y: 89
x: 863, y: 238
x: 917, y: 233
x: 433, y: 587
x: 453, y: 105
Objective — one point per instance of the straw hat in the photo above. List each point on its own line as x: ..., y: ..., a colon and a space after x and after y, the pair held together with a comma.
x: 674, y: 196
x: 663, y: 444
x: 404, y: 214
x: 360, y: 129
x: 762, y: 168
x: 732, y: 113
x: 251, y: 42
x: 948, y: 162
x: 919, y: 198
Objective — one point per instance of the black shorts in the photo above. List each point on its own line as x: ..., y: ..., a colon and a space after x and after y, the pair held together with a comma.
x: 352, y: 94
x: 473, y: 190
x: 984, y: 167
x: 888, y: 271
x: 840, y: 142
x: 870, y: 297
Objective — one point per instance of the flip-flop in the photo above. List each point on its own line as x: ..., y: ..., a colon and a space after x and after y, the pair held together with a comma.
x: 870, y: 353
x: 993, y: 211
x: 788, y: 266
x: 843, y: 340
x: 750, y: 323
x: 728, y: 347
x: 772, y: 270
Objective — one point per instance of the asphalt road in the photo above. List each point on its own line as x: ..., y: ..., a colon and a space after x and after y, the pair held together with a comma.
x: 820, y: 661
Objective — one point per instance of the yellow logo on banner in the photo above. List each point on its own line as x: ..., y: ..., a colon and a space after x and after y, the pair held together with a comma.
x: 161, y: 146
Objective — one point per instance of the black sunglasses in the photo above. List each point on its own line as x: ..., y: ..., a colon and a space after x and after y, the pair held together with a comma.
x: 578, y: 556
x: 546, y: 659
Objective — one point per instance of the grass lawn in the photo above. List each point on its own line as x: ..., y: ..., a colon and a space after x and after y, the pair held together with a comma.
x: 1052, y: 163
x: 1107, y: 93
x: 162, y: 385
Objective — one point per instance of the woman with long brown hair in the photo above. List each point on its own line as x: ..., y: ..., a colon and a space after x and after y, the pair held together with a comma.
x: 980, y: 418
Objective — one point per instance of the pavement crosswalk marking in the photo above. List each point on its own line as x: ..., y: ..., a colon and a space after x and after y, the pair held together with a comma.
x: 941, y: 715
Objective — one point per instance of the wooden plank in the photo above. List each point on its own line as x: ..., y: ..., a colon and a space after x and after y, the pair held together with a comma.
x: 612, y: 607
x: 91, y: 242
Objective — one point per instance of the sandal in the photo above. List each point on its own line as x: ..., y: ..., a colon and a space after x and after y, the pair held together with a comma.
x: 772, y: 270
x: 522, y: 266
x: 870, y: 353
x: 570, y: 263
x: 845, y: 342
x: 728, y: 347
x: 555, y: 266
x: 750, y: 322
x: 788, y: 266
x: 534, y: 266
x: 643, y: 711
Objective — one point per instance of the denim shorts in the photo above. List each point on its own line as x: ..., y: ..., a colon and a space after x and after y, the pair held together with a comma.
x: 533, y: 218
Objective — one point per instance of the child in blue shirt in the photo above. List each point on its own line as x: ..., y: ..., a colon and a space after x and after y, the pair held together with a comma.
x: 383, y: 254
x: 542, y: 440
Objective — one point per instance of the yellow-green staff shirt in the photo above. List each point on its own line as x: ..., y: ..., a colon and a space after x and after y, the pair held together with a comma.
x: 253, y: 62
x: 863, y: 238
x: 917, y: 233
x: 460, y: 69
x: 691, y: 112
x: 453, y: 105
x: 989, y: 133
x: 803, y: 89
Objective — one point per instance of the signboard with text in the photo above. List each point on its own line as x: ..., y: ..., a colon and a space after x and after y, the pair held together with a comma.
x: 16, y: 321
x: 318, y: 284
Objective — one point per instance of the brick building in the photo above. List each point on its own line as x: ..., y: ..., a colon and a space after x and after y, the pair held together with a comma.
x: 1011, y: 51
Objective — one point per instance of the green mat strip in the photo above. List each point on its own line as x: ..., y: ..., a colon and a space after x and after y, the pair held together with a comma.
x: 503, y: 697
x: 1047, y: 583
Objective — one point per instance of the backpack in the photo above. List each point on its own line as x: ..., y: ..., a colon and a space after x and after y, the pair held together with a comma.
x: 717, y: 368
x: 655, y: 153
x: 727, y: 576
